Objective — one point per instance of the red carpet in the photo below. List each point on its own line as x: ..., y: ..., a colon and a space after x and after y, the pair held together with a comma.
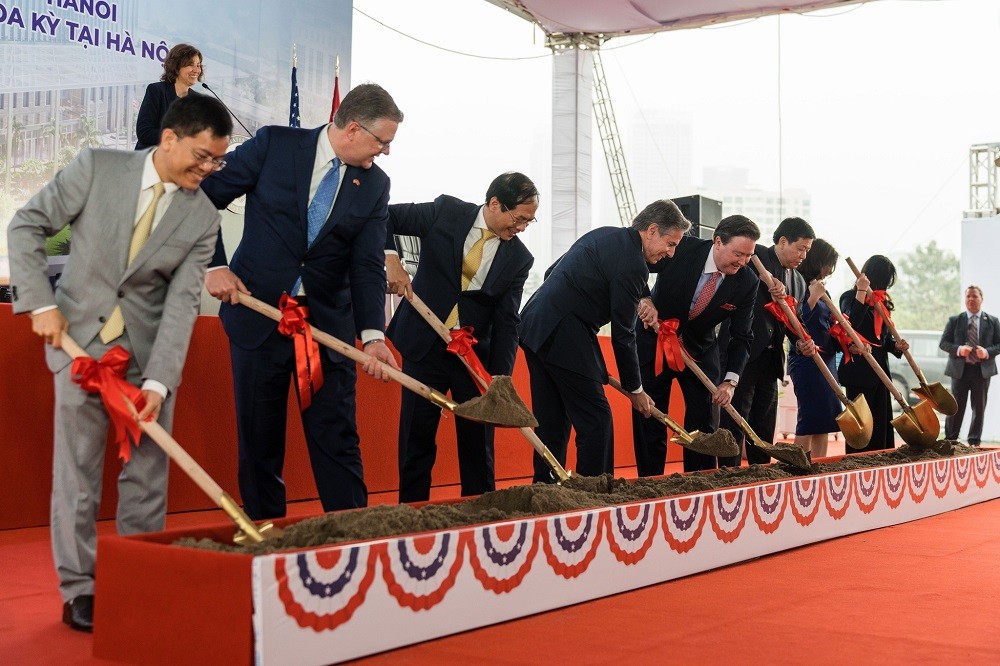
x: 919, y: 592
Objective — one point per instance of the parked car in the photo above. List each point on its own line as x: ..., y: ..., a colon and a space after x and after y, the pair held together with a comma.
x: 930, y: 359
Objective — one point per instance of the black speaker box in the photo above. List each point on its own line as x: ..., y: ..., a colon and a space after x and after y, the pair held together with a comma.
x: 704, y: 214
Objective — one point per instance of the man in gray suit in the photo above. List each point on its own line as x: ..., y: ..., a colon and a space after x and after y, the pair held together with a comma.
x: 972, y: 341
x: 143, y: 233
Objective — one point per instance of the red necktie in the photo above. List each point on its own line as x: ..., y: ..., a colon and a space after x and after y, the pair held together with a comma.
x: 705, y: 295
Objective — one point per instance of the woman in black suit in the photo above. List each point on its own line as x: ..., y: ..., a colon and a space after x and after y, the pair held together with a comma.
x: 181, y: 70
x: 877, y: 275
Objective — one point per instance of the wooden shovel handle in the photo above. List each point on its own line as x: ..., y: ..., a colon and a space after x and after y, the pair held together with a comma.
x: 353, y: 353
x: 867, y: 354
x: 183, y: 459
x: 654, y: 412
x: 445, y: 334
x: 892, y: 328
x: 800, y: 331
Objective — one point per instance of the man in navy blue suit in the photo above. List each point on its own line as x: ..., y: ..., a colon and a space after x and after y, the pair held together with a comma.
x: 756, y: 396
x: 679, y: 282
x: 598, y: 281
x: 487, y: 300
x: 335, y: 266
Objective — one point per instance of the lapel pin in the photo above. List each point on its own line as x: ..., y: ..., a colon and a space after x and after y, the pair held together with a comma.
x: 357, y: 183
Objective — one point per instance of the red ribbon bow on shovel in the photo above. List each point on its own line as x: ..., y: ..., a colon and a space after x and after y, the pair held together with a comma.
x: 668, y: 346
x: 107, y: 377
x: 308, y: 367
x: 461, y: 344
x: 840, y: 334
x: 876, y: 297
x: 774, y: 307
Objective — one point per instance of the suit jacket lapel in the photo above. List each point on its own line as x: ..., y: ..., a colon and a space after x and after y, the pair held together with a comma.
x: 354, y: 179
x: 123, y: 208
x: 180, y: 206
x: 499, y: 264
x: 305, y: 159
x: 691, y: 283
x: 461, y: 233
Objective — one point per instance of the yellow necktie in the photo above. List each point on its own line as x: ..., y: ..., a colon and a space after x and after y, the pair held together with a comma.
x: 115, y: 325
x: 470, y: 265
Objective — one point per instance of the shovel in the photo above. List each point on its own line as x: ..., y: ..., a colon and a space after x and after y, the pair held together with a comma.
x: 918, y: 426
x: 248, y: 531
x: 793, y: 455
x: 499, y: 406
x: 719, y: 444
x: 938, y: 396
x: 435, y: 322
x: 856, y: 419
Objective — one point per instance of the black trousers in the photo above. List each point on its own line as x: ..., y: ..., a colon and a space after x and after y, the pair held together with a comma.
x: 418, y: 425
x: 649, y: 436
x: 260, y: 380
x: 561, y: 399
x: 971, y: 388
x: 756, y: 400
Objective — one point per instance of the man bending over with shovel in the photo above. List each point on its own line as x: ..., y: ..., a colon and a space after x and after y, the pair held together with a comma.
x: 142, y: 235
x: 476, y: 292
x: 598, y: 281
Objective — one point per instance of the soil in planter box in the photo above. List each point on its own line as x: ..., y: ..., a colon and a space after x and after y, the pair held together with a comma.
x: 538, y: 499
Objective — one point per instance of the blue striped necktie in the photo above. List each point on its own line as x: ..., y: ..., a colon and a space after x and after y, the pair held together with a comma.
x: 319, y: 208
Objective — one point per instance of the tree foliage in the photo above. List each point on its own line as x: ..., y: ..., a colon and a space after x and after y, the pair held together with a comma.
x: 927, y: 288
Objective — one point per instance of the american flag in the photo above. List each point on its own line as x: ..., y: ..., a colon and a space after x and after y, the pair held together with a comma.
x: 293, y: 105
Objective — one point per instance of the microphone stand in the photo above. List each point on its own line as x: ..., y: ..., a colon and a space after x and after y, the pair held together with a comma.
x: 249, y: 133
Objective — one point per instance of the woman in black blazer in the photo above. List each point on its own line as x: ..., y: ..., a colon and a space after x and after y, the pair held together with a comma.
x: 877, y: 275
x: 181, y: 70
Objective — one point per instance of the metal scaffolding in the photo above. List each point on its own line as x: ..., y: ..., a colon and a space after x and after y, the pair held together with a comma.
x: 984, y: 160
x: 614, y: 155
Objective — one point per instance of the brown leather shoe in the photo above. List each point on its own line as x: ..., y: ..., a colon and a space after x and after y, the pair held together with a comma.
x: 78, y: 613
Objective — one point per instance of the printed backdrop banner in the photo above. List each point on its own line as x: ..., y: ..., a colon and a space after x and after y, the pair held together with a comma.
x: 73, y: 73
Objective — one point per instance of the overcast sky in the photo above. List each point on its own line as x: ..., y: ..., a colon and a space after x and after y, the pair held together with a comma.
x: 871, y: 109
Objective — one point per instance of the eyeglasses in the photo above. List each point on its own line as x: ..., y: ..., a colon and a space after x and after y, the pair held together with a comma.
x: 518, y: 222
x: 382, y: 145
x: 217, y: 163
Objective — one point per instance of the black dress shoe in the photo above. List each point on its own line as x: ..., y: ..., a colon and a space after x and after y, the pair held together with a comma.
x: 78, y: 613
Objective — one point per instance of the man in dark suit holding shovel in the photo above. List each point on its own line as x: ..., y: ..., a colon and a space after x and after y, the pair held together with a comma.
x: 598, y: 281
x: 706, y: 282
x: 471, y: 274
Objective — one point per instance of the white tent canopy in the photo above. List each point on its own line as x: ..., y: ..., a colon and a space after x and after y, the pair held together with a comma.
x: 578, y: 26
x: 615, y: 18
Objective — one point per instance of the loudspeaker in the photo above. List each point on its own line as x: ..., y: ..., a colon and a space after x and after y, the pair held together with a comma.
x: 704, y: 214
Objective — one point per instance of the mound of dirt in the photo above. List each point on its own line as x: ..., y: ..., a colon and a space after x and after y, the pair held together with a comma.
x: 538, y: 499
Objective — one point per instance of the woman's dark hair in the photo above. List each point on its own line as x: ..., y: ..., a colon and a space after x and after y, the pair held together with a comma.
x: 181, y: 56
x: 821, y: 255
x: 881, y: 274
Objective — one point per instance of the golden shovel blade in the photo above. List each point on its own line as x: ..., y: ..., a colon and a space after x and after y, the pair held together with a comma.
x: 940, y: 398
x: 855, y: 423
x: 918, y: 425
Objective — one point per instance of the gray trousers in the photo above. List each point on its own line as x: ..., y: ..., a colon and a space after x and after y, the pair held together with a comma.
x: 81, y: 431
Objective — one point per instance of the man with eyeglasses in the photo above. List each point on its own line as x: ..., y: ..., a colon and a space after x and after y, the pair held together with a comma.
x: 471, y: 274
x: 598, y: 281
x: 314, y: 228
x: 143, y: 234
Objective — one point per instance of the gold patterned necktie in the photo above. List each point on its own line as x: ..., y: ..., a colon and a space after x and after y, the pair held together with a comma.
x: 115, y: 325
x: 470, y: 266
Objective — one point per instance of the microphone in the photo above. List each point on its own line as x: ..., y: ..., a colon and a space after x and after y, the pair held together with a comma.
x: 205, y: 86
